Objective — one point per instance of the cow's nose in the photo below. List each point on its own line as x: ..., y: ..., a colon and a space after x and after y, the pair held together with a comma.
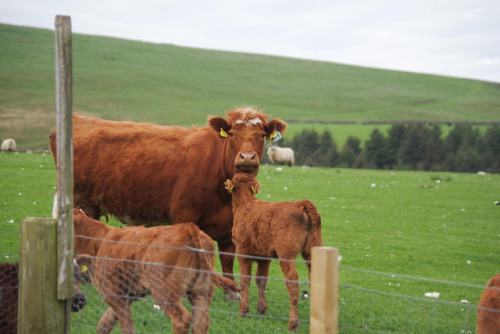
x: 247, y: 156
x: 79, y: 302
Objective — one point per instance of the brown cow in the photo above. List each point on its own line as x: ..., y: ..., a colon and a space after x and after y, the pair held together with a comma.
x: 264, y: 229
x: 488, y: 313
x: 9, y: 290
x: 147, y: 174
x: 165, y: 261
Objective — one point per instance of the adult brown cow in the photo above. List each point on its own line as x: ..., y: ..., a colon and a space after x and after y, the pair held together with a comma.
x: 147, y: 174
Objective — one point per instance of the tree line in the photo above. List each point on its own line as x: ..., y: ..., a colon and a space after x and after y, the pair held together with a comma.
x: 413, y: 146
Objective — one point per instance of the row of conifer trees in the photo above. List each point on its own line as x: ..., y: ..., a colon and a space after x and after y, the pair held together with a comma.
x: 415, y: 146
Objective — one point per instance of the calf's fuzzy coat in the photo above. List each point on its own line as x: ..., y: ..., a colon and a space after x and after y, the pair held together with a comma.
x: 168, y: 262
x: 283, y: 229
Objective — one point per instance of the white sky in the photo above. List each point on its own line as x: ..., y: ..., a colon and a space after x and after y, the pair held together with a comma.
x: 457, y: 38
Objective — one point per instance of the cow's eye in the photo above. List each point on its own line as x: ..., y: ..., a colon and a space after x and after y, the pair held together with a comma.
x: 230, y: 133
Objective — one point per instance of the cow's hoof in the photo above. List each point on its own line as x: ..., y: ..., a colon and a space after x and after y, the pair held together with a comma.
x: 293, y: 325
x: 243, y: 313
x: 232, y: 296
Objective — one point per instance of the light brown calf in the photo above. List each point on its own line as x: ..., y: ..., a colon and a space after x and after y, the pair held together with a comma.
x: 283, y: 229
x: 169, y: 262
x: 488, y: 314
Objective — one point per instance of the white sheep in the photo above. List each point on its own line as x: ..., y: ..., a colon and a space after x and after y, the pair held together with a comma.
x: 280, y: 155
x: 9, y: 145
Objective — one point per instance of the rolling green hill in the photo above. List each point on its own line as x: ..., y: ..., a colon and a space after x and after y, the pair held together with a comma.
x: 166, y: 84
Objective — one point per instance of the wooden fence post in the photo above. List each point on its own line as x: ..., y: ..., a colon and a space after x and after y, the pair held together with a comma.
x: 64, y: 163
x: 39, y: 309
x: 324, y: 290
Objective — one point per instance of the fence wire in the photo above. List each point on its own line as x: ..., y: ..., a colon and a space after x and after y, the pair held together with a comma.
x: 369, y: 302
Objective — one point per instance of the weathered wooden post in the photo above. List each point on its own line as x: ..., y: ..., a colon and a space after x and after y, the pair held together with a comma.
x: 324, y: 290
x: 64, y: 163
x: 39, y: 309
x: 46, y: 260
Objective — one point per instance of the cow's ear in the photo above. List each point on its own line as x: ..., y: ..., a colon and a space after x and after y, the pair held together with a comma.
x: 275, y: 125
x: 220, y: 125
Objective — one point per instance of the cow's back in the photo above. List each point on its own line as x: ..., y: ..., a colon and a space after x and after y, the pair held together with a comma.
x: 153, y: 165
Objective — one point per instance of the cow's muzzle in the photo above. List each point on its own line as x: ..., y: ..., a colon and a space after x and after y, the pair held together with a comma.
x: 247, y: 162
x: 79, y: 301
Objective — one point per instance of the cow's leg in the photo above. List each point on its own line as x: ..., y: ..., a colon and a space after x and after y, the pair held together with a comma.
x: 107, y: 322
x: 292, y: 285
x: 226, y: 251
x: 261, y: 280
x: 245, y: 278
x: 86, y: 205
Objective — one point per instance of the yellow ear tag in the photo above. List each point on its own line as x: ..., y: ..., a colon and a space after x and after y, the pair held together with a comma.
x: 254, y: 191
x: 83, y: 268
x: 275, y: 136
x: 230, y: 189
x: 223, y: 133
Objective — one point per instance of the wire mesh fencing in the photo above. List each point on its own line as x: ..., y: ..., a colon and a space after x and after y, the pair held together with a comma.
x: 369, y: 302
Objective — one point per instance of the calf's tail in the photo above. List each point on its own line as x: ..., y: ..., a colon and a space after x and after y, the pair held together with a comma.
x: 206, y: 264
x: 314, y: 224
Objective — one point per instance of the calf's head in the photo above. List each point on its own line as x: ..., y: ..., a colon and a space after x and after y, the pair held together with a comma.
x: 246, y: 130
x: 242, y: 183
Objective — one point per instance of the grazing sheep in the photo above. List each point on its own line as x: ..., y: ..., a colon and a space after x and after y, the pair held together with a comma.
x: 9, y: 144
x: 281, y: 155
x: 264, y: 229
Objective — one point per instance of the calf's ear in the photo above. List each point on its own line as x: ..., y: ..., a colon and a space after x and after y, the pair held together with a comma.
x: 256, y: 188
x: 219, y: 124
x: 84, y: 261
x: 229, y: 186
x: 275, y: 125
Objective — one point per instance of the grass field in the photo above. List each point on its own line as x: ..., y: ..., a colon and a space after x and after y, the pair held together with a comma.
x: 393, y: 228
x: 166, y: 84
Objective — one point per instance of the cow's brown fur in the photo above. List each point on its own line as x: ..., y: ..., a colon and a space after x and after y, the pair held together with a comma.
x: 168, y: 262
x: 488, y: 313
x: 283, y: 229
x: 147, y: 174
x: 9, y: 290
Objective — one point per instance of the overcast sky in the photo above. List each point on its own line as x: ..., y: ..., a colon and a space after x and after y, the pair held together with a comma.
x: 447, y: 37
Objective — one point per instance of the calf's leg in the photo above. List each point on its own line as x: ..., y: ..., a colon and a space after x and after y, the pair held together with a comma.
x: 107, y: 322
x: 292, y: 285
x: 168, y: 296
x: 245, y: 278
x: 261, y: 279
x: 200, y: 302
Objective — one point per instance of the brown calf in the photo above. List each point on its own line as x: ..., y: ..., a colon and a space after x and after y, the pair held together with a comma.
x: 9, y: 290
x: 168, y: 262
x: 488, y: 313
x: 283, y: 229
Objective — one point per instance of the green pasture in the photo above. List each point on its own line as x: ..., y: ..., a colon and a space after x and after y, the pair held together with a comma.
x: 168, y: 84
x: 401, y: 234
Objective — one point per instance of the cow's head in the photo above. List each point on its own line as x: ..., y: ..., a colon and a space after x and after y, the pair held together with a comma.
x: 246, y: 130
